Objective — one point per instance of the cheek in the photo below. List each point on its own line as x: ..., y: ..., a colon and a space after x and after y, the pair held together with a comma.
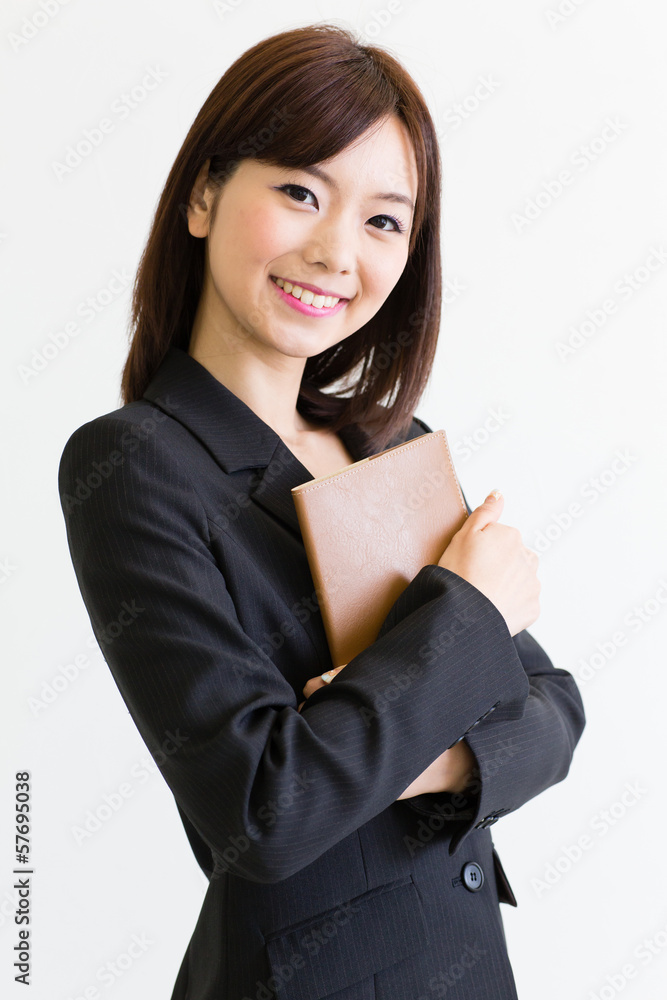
x: 381, y: 278
x: 259, y: 235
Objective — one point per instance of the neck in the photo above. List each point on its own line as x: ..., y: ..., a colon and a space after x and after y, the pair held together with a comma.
x: 268, y: 385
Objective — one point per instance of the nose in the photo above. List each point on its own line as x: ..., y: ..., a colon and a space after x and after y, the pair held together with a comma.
x: 331, y: 244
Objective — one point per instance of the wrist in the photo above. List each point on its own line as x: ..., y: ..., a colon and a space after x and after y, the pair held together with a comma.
x: 460, y: 767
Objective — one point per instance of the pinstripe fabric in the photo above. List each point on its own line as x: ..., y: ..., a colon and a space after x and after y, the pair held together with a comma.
x: 190, y: 562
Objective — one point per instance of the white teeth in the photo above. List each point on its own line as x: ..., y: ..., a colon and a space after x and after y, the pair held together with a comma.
x: 307, y: 297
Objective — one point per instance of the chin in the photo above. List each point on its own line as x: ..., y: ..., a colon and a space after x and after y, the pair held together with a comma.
x: 303, y: 344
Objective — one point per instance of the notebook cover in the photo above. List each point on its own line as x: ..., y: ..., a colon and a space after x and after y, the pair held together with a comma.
x: 369, y: 528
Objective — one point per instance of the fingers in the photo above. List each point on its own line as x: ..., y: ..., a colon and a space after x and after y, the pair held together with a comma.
x: 487, y: 512
x: 315, y: 683
x: 329, y: 675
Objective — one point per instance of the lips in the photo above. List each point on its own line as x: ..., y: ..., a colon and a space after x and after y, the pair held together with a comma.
x: 311, y: 288
x: 321, y: 310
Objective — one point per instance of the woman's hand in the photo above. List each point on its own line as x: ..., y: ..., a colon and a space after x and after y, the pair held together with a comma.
x: 494, y: 559
x: 450, y: 772
x: 317, y: 682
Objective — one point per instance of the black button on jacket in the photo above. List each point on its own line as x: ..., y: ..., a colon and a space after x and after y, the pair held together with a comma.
x: 188, y: 554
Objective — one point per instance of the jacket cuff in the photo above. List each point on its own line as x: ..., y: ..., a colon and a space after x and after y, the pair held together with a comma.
x: 459, y: 812
x: 434, y: 582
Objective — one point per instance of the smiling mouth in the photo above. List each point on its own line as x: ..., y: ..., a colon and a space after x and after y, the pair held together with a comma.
x: 305, y: 295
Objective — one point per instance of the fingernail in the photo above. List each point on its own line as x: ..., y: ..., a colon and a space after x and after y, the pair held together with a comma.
x: 494, y: 495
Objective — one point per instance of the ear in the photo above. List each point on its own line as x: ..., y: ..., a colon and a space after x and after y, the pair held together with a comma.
x: 200, y: 203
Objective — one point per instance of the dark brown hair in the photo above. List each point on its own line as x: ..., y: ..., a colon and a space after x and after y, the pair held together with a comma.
x: 294, y: 99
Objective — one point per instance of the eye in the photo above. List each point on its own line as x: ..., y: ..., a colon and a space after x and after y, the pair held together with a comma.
x: 294, y: 187
x: 400, y: 225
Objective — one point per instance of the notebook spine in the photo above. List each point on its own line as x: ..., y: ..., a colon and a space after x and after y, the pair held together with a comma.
x: 315, y: 570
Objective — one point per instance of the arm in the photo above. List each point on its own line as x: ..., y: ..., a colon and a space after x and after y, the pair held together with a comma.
x: 139, y: 540
x: 515, y: 760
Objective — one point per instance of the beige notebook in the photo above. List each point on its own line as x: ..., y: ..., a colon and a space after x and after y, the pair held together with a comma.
x: 368, y: 530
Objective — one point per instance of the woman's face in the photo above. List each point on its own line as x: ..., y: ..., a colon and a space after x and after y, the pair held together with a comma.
x: 340, y: 226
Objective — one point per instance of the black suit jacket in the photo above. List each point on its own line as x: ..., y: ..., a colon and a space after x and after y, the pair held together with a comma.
x: 188, y: 554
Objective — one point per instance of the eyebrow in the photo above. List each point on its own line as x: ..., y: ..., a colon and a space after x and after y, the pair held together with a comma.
x: 382, y: 196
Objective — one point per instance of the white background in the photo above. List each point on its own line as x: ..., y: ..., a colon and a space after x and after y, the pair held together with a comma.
x: 552, y: 86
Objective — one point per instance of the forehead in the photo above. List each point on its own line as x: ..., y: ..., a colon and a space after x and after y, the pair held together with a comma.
x: 384, y: 149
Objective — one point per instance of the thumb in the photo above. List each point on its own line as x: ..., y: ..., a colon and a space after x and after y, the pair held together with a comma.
x: 487, y: 512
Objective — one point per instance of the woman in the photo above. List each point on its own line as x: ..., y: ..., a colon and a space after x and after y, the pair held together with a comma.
x: 342, y: 823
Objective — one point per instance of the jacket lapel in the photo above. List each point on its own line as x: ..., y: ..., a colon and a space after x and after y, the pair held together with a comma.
x: 284, y: 471
x: 234, y: 435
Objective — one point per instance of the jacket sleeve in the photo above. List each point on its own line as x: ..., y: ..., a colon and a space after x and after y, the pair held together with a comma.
x: 515, y: 759
x: 268, y: 788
